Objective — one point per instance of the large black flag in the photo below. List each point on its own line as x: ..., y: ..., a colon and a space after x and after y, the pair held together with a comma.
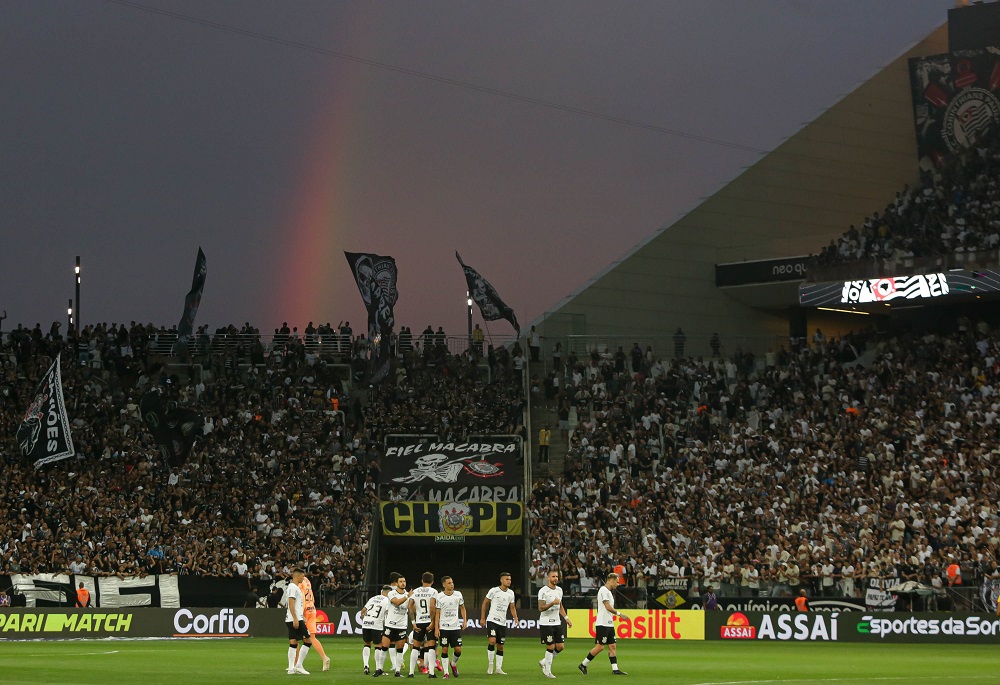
x: 376, y: 279
x: 174, y: 431
x: 44, y: 434
x: 485, y: 295
x: 192, y: 301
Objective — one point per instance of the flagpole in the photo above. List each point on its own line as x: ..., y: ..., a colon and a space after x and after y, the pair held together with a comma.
x: 76, y: 308
x: 468, y: 302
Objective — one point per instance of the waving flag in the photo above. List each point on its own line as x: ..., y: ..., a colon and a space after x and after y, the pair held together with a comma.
x: 192, y: 302
x: 485, y: 295
x: 376, y: 279
x: 44, y: 434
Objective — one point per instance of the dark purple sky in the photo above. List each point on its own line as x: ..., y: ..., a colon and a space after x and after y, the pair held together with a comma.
x: 131, y: 137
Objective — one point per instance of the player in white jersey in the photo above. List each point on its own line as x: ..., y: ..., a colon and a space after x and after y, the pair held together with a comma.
x: 295, y: 621
x: 373, y: 623
x: 497, y: 601
x: 422, y: 608
x: 604, y: 627
x: 449, y: 620
x: 397, y: 621
x: 551, y: 614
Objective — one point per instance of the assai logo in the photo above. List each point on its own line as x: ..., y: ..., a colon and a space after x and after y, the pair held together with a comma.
x: 323, y: 625
x: 799, y: 626
x: 738, y: 628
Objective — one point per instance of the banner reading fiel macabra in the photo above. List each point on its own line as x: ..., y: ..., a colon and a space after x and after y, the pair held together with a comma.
x: 481, y: 469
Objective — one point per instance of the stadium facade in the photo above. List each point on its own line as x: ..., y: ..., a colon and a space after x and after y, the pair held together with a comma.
x: 850, y: 161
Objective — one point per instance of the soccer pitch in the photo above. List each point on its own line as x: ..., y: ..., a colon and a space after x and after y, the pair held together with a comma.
x: 243, y: 661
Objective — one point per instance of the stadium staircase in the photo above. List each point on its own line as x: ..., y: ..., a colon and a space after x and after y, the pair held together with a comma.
x: 540, y: 414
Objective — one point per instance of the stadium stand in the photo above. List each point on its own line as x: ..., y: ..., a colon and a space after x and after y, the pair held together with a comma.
x: 280, y: 478
x: 868, y: 456
x: 954, y: 211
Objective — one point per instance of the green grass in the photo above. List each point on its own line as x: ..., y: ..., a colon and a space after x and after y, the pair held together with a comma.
x: 252, y: 661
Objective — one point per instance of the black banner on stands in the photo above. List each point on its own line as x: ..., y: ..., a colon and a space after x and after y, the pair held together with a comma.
x: 481, y: 470
x: 111, y: 592
x: 955, y: 103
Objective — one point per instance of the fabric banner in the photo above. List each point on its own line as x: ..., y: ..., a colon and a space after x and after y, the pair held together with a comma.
x: 485, y: 295
x: 877, y: 595
x: 485, y: 468
x: 192, y: 301
x: 175, y: 431
x: 955, y: 101
x: 376, y: 278
x: 44, y: 435
x: 451, y: 521
x: 989, y: 593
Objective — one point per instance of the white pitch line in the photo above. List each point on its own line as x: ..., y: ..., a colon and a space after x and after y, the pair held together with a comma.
x: 837, y: 680
x: 49, y: 654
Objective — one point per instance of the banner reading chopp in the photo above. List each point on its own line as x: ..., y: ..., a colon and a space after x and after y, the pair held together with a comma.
x: 451, y: 519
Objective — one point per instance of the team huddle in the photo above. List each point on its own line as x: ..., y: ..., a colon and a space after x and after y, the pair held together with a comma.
x: 438, y: 618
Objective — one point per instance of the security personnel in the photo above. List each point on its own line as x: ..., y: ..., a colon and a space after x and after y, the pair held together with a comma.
x: 82, y: 596
x: 544, y: 436
x: 801, y: 603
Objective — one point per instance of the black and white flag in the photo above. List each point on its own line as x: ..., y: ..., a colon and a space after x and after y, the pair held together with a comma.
x: 44, y: 435
x: 376, y: 279
x: 174, y: 430
x: 192, y: 301
x: 485, y: 295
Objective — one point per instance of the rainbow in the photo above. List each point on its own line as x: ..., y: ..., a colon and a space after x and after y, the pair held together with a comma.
x: 313, y: 282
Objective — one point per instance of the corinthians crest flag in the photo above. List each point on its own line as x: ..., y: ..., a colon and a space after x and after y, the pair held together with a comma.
x: 376, y: 279
x: 192, y: 301
x: 956, y: 101
x: 485, y: 295
x: 44, y: 434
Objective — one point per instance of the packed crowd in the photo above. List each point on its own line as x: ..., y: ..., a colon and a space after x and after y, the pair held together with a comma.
x: 952, y: 210
x: 868, y: 456
x: 279, y: 477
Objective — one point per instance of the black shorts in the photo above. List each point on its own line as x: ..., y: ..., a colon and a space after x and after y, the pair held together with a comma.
x: 300, y: 633
x: 395, y: 634
x: 372, y: 635
x: 421, y: 632
x: 552, y: 635
x: 604, y: 635
x: 451, y: 638
x: 496, y: 630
